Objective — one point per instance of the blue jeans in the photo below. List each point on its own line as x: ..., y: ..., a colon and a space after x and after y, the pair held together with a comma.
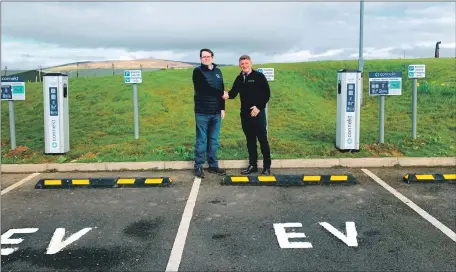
x: 207, y: 134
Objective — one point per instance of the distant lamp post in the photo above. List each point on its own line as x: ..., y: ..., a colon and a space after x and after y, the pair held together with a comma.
x: 437, y: 50
x: 40, y: 69
x: 6, y: 68
x: 113, y: 69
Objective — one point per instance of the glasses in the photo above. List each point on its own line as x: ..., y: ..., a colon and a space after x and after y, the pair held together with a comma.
x: 206, y: 57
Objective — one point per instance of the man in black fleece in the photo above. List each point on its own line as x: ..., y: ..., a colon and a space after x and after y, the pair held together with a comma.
x: 209, y: 110
x: 254, y: 91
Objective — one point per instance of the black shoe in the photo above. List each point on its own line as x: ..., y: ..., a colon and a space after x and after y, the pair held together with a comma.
x: 250, y: 169
x: 217, y: 171
x: 266, y: 171
x: 199, y: 172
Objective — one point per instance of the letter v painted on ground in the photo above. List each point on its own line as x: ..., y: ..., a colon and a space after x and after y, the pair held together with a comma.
x: 57, y: 243
x: 349, y: 239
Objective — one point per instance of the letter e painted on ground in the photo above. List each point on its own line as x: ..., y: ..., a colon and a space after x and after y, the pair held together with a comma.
x: 283, y: 236
x: 6, y: 240
x: 349, y: 239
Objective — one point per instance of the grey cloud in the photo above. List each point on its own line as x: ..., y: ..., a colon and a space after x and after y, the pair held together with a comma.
x: 268, y: 27
x: 263, y: 30
x: 159, y: 26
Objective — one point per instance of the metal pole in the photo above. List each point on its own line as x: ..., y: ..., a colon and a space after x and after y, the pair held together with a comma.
x: 414, y: 108
x: 360, y: 58
x: 382, y: 119
x: 135, y: 109
x: 12, y: 125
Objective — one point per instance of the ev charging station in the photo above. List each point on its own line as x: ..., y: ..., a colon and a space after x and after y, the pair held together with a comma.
x: 56, y: 114
x: 349, y: 91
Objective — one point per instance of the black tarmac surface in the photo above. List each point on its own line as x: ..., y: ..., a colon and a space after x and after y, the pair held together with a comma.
x: 232, y: 227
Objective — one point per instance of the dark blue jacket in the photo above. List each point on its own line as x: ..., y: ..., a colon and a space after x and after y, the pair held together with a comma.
x: 208, y: 86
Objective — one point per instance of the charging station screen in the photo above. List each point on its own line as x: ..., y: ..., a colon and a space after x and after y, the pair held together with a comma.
x: 350, y: 97
x: 53, y: 105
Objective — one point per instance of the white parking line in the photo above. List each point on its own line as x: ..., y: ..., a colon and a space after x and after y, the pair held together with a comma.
x: 19, y: 183
x: 447, y: 231
x: 179, y: 242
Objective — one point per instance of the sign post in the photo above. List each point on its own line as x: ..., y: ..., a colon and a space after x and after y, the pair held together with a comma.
x: 134, y: 77
x: 12, y: 88
x: 415, y: 71
x: 382, y: 84
x: 361, y: 40
x: 269, y: 74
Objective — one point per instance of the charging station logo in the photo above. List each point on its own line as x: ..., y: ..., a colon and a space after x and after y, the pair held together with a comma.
x: 54, y: 133
x: 386, y: 74
x: 349, y: 129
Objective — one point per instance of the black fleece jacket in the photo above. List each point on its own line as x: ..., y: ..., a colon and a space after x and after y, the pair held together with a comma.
x: 208, y: 86
x: 254, y: 91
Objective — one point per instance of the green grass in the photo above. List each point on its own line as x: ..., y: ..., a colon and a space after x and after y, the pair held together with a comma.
x: 302, y: 116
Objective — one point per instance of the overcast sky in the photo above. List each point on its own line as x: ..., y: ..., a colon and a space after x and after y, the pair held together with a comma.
x: 49, y: 34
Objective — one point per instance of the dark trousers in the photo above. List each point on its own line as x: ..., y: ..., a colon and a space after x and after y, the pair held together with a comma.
x: 255, y: 128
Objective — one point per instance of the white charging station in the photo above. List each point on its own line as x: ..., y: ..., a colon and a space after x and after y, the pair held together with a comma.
x: 349, y: 90
x: 56, y: 114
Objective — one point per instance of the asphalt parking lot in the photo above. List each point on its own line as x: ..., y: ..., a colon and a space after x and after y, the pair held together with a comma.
x: 203, y: 225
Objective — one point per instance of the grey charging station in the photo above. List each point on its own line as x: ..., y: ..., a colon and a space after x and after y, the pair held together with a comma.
x: 56, y: 113
x: 349, y: 90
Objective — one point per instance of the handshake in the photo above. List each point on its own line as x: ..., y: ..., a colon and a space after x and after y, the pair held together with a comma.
x: 225, y: 95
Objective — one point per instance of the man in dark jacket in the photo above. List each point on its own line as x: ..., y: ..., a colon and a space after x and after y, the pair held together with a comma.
x: 254, y: 91
x: 209, y: 110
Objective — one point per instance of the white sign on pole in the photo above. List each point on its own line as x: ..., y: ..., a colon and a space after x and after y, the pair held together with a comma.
x: 13, y: 88
x: 132, y: 76
x: 267, y: 72
x: 416, y: 71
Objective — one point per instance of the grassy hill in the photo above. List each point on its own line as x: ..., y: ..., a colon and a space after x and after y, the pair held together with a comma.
x: 120, y: 64
x: 302, y: 116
